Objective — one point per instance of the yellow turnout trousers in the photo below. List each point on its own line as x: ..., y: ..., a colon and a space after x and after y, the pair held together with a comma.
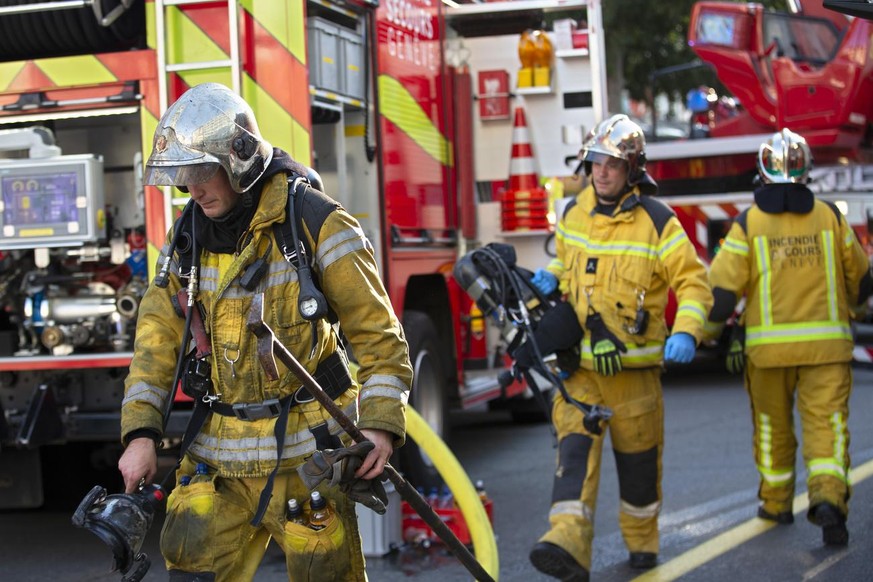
x: 207, y: 534
x: 637, y: 433
x: 822, y: 393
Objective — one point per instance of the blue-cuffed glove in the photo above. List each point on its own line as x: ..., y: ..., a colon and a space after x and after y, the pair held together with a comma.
x: 544, y: 281
x: 680, y: 348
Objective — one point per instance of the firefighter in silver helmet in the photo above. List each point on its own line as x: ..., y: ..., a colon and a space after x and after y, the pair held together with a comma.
x: 254, y: 433
x: 619, y: 253
x: 802, y: 271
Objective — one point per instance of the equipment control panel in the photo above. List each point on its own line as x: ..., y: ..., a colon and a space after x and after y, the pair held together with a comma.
x: 51, y: 202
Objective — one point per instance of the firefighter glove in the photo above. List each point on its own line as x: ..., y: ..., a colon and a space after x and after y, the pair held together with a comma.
x: 605, y: 347
x: 736, y: 359
x: 680, y: 348
x: 337, y: 467
x: 544, y: 281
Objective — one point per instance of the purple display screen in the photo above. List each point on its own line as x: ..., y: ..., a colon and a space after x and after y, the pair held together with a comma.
x: 35, y: 200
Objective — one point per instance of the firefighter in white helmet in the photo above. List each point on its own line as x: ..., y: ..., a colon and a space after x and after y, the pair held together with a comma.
x: 802, y: 271
x: 254, y: 432
x: 619, y: 253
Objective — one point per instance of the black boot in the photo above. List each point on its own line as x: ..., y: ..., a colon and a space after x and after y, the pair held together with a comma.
x: 643, y: 560
x: 557, y: 563
x: 782, y: 518
x: 832, y: 524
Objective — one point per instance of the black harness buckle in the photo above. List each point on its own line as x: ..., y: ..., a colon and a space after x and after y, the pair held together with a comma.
x: 257, y: 410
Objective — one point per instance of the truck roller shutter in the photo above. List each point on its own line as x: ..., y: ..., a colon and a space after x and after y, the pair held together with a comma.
x: 67, y: 32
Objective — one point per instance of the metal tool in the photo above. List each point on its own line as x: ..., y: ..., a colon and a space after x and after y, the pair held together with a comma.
x: 269, y: 348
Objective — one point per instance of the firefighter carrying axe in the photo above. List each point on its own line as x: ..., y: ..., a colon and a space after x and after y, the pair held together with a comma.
x: 269, y: 348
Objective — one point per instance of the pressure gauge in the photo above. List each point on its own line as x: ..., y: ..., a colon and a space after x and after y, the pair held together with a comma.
x: 308, y: 307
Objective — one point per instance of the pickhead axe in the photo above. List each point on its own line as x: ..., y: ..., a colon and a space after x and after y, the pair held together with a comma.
x: 269, y: 348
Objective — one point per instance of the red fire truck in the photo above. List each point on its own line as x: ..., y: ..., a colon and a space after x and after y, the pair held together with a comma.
x: 381, y: 98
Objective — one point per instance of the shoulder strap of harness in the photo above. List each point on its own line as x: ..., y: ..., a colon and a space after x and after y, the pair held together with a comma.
x: 836, y: 210
x: 743, y: 219
x: 659, y: 212
x: 310, y: 207
x: 567, y: 208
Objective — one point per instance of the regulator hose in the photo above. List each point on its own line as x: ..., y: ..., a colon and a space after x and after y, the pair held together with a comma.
x: 465, y: 494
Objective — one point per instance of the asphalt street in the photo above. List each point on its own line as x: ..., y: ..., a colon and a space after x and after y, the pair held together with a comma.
x: 708, y: 527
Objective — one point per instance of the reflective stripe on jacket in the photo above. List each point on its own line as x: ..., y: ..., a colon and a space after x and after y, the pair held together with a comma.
x: 800, y: 273
x: 349, y: 278
x: 631, y: 258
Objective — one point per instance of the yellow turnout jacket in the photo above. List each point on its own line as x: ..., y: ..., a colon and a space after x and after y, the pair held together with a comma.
x: 347, y: 271
x: 615, y: 264
x: 801, y: 274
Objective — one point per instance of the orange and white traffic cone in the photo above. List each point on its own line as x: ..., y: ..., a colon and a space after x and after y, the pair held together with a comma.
x: 522, y: 166
x: 525, y: 204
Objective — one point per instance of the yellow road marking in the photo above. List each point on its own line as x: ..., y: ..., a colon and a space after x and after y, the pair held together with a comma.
x: 723, y: 543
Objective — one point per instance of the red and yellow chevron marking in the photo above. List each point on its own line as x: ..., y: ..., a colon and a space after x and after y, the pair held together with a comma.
x: 275, y: 78
x: 400, y: 107
x: 78, y: 72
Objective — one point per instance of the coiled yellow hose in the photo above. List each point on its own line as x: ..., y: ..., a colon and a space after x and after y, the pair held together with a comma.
x: 465, y: 494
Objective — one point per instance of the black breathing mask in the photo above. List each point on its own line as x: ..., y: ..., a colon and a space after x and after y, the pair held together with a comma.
x: 121, y: 521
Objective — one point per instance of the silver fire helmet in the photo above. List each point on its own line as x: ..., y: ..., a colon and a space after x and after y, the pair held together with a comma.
x: 617, y: 137
x: 785, y: 158
x: 209, y: 127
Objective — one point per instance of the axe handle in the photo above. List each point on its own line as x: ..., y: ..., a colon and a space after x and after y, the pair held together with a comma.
x: 406, y: 491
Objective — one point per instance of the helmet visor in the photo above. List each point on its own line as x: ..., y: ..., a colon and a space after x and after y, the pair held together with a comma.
x: 604, y: 159
x: 179, y: 175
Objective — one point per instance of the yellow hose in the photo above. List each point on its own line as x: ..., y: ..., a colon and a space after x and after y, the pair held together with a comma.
x: 465, y: 494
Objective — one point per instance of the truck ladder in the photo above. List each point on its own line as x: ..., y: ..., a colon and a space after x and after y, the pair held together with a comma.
x: 165, y: 68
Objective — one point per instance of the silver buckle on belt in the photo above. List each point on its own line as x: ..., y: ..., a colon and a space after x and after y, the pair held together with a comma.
x: 302, y: 396
x: 258, y: 410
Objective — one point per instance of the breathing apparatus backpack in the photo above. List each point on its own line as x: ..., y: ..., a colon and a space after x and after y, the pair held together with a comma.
x: 542, y: 333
